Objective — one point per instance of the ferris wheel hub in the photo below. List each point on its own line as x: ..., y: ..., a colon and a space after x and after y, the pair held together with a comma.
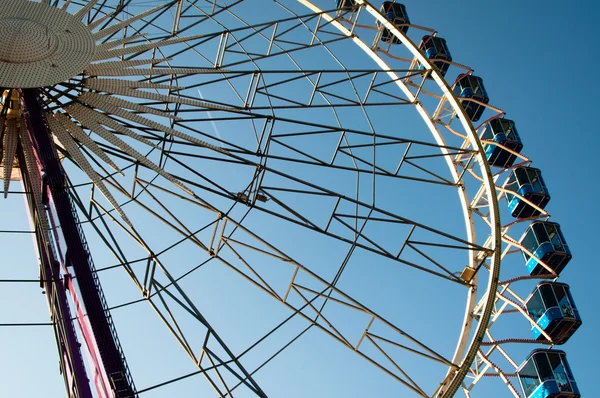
x: 25, y: 41
x: 41, y: 45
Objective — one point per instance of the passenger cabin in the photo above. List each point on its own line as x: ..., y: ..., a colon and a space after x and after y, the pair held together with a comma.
x: 436, y: 49
x: 469, y: 86
x: 528, y: 183
x: 346, y: 4
x: 504, y: 132
x: 553, y: 310
x: 396, y: 14
x: 546, y: 242
x: 546, y: 374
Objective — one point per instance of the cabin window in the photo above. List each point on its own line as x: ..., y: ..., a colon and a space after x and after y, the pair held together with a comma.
x: 548, y: 296
x: 398, y: 10
x: 540, y: 233
x: 556, y: 261
x: 541, y: 361
x: 570, y: 298
x: 440, y: 46
x: 497, y: 124
x: 529, y: 378
x: 512, y: 185
x: 554, y: 237
x: 562, y: 238
x: 444, y: 47
x: 509, y: 130
x: 522, y: 176
x: 559, y: 371
x: 534, y: 178
x: 535, y: 306
x: 563, y: 301
x: 477, y: 85
x: 529, y: 242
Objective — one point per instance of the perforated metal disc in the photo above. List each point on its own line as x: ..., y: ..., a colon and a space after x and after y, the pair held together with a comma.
x: 41, y: 45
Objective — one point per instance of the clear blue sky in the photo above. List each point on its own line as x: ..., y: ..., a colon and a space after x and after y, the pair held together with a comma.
x: 538, y: 61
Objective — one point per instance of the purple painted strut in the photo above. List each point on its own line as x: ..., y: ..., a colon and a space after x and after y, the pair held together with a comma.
x: 76, y: 380
x: 77, y: 255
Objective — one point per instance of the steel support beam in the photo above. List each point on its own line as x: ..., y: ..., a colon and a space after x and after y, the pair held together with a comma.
x: 71, y: 360
x: 101, y: 337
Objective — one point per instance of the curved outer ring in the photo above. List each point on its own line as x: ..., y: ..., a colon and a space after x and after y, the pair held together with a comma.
x: 453, y: 380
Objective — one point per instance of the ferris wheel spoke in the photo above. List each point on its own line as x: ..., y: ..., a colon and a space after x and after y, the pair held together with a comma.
x: 341, y: 201
x: 162, y: 299
x: 284, y: 36
x: 109, y: 45
x: 290, y: 146
x: 108, y: 16
x: 118, y: 26
x: 159, y: 211
x: 110, y: 53
x: 307, y: 294
x: 100, y: 16
x: 363, y: 160
x: 211, y: 342
x: 207, y: 359
x: 145, y: 197
x: 70, y: 145
x: 414, y: 165
x: 257, y: 90
x: 201, y: 15
x: 337, y: 223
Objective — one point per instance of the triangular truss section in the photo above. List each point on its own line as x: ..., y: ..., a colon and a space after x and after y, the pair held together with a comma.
x: 334, y: 312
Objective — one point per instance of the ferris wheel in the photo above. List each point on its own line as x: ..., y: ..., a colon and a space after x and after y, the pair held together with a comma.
x: 277, y: 198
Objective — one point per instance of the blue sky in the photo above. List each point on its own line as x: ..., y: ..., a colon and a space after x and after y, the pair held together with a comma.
x: 537, y: 59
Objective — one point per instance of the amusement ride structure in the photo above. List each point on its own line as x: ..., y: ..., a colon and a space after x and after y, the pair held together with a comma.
x: 267, y: 181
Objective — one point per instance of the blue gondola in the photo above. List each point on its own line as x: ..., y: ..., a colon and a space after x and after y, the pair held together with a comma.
x: 504, y: 132
x: 527, y: 182
x: 545, y: 240
x: 552, y: 307
x: 396, y: 14
x: 546, y: 374
x: 436, y: 49
x: 346, y: 4
x: 469, y: 86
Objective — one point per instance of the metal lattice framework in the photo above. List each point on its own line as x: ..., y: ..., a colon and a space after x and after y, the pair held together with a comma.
x: 205, y: 145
